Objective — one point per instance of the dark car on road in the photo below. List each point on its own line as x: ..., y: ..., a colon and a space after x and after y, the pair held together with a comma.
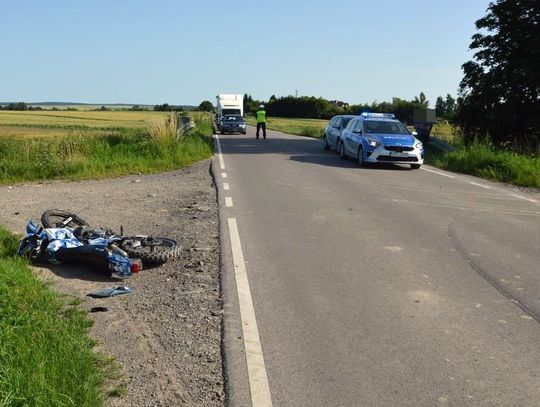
x: 333, y: 130
x: 232, y: 123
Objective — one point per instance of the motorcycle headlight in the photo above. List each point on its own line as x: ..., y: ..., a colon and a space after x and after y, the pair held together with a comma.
x: 372, y: 143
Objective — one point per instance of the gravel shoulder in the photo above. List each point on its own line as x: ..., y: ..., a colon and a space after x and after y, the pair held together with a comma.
x: 166, y: 335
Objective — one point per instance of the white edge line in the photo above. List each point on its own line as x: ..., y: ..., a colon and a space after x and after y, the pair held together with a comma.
x: 479, y: 185
x: 525, y: 199
x: 220, y: 155
x: 226, y: 186
x: 439, y: 173
x: 228, y: 201
x: 258, y: 380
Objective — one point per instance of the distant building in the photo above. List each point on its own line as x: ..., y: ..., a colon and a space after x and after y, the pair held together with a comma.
x: 339, y: 103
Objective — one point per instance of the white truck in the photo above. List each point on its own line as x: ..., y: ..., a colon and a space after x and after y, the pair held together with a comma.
x: 227, y: 103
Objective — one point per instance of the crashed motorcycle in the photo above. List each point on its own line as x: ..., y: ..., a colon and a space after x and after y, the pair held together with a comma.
x: 65, y: 237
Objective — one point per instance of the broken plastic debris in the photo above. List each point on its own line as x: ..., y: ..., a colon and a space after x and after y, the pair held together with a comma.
x: 110, y: 292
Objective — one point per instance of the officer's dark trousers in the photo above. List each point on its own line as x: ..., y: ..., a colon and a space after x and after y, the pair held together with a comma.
x: 263, y: 127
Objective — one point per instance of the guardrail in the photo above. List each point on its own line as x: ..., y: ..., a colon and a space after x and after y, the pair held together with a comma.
x: 184, y: 125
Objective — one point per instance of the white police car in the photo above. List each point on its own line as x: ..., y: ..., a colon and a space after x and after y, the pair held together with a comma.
x: 380, y: 138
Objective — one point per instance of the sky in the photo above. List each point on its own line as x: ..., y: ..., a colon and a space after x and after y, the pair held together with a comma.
x: 184, y: 52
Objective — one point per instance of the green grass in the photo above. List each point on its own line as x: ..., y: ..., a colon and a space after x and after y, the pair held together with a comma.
x: 483, y: 160
x: 46, y: 356
x: 447, y: 132
x: 118, y: 151
x: 301, y: 127
x: 107, y: 119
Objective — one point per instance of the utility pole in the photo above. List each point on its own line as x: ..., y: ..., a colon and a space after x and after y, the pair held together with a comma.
x: 296, y: 93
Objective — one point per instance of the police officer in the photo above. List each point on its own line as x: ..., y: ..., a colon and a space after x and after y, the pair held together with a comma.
x: 261, y: 121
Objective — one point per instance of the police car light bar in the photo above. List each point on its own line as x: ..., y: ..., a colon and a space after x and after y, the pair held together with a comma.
x: 387, y: 115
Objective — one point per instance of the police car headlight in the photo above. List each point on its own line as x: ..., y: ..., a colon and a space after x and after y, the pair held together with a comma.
x: 243, y: 126
x: 419, y: 145
x: 372, y: 143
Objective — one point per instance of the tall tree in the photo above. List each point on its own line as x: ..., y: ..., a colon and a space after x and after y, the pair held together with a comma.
x: 421, y: 99
x: 450, y: 106
x: 500, y: 90
x: 206, y: 106
x: 445, y: 107
x: 440, y: 107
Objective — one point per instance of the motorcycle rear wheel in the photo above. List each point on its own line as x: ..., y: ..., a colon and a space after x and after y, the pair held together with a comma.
x: 57, y: 218
x: 151, y: 249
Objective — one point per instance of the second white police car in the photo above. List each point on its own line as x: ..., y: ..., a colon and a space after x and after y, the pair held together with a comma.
x: 380, y: 138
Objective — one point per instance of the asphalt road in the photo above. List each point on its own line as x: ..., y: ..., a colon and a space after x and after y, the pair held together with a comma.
x: 379, y: 286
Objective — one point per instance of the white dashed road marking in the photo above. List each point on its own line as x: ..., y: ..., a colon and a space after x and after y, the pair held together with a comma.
x: 479, y: 185
x: 226, y: 186
x: 223, y: 175
x: 220, y: 155
x: 258, y: 380
x: 526, y: 199
x: 228, y: 201
x: 439, y: 173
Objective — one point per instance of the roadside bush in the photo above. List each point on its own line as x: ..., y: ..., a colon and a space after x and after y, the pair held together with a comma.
x: 482, y: 159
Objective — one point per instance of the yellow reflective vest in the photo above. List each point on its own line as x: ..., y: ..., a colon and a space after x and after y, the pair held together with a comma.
x: 261, y: 116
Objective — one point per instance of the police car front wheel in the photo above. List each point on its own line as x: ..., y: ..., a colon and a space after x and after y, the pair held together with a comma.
x: 360, y: 157
x: 325, y: 144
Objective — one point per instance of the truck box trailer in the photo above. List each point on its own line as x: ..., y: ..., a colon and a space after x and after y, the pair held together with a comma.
x: 227, y: 103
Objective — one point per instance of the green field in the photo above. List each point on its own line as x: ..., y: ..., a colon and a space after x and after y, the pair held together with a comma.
x: 40, y: 145
x: 301, y: 127
x: 44, y: 123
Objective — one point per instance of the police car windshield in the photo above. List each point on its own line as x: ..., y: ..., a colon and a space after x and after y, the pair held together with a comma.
x: 384, y: 127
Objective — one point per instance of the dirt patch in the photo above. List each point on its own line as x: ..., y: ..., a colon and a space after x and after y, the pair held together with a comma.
x: 167, y: 333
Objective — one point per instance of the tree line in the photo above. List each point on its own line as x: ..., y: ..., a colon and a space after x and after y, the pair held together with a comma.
x: 19, y: 106
x: 320, y: 108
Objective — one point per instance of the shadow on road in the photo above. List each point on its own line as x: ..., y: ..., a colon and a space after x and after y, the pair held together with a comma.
x: 336, y: 161
x: 299, y: 149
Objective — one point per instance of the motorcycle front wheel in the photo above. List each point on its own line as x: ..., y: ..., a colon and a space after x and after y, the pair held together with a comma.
x: 151, y: 249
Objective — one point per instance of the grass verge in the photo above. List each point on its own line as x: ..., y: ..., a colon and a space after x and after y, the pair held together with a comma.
x: 483, y: 160
x: 46, y: 356
x: 118, y: 152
